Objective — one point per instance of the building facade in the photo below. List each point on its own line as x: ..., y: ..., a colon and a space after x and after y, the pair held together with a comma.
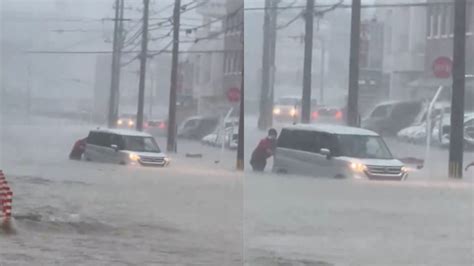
x: 439, y: 43
x: 233, y: 29
x: 202, y: 69
x: 404, y: 45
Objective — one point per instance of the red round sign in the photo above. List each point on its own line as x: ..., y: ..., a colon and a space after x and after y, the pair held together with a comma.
x: 442, y: 67
x: 233, y: 94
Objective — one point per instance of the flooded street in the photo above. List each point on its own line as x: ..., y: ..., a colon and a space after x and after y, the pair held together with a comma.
x: 237, y: 132
x: 81, y: 213
x: 305, y: 221
x: 292, y: 220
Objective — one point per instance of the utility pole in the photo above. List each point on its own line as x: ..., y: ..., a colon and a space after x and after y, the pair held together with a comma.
x: 323, y: 65
x: 456, y: 143
x: 121, y: 38
x: 112, y: 116
x: 308, y: 59
x: 241, y: 144
x: 322, y: 43
x: 171, y: 141
x: 152, y: 95
x: 352, y: 103
x: 143, y: 58
x: 268, y: 64
x: 28, y: 87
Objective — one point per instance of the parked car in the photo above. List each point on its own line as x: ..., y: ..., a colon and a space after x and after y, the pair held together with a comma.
x: 288, y: 108
x: 416, y: 133
x: 157, y: 127
x: 337, y: 152
x: 233, y: 141
x: 445, y: 130
x: 229, y: 135
x: 329, y: 115
x: 125, y: 147
x: 390, y: 117
x: 197, y: 127
x: 210, y: 139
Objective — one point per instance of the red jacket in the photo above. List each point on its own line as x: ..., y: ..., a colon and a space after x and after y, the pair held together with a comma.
x: 78, y: 149
x: 264, y: 150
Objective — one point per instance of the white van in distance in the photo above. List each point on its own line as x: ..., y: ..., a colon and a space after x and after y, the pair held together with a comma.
x: 337, y: 152
x: 125, y: 147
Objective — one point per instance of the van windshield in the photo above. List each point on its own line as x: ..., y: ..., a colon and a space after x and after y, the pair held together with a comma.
x: 363, y: 147
x: 140, y: 144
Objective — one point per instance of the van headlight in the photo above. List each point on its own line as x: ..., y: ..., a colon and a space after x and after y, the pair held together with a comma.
x: 134, y: 157
x: 404, y: 169
x: 167, y: 160
x: 358, y: 167
x: 277, y: 111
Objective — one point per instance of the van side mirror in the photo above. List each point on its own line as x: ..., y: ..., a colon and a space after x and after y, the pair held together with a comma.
x: 114, y: 146
x: 326, y: 152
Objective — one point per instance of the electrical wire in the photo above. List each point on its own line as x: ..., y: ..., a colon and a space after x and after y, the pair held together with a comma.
x: 393, y: 5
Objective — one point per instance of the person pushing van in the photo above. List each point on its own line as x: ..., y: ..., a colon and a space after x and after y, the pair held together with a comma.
x: 263, y: 151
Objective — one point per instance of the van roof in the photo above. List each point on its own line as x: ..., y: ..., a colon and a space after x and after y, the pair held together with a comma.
x: 333, y: 129
x: 123, y: 132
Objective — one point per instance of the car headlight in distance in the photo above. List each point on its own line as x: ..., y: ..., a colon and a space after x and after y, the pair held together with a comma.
x: 131, y: 123
x: 293, y: 112
x: 134, y: 157
x: 358, y: 167
x: 277, y: 111
x: 120, y: 122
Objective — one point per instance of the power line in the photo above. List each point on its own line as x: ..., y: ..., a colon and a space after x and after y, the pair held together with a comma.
x: 164, y: 50
x: 161, y: 25
x: 288, y: 23
x: 58, y: 52
x: 394, y: 5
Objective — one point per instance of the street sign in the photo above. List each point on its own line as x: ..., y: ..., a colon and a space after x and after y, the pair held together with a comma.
x: 233, y: 95
x: 442, y: 67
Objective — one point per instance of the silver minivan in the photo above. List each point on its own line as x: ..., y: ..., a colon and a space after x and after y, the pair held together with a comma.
x: 335, y: 151
x: 122, y: 146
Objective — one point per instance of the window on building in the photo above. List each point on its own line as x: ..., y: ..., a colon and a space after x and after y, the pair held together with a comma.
x: 443, y: 21
x: 236, y: 63
x: 229, y: 63
x: 388, y: 32
x: 431, y: 23
x: 437, y: 22
x: 226, y: 58
x: 207, y: 68
x: 197, y: 78
x: 469, y: 18
x: 228, y: 24
x: 450, y: 20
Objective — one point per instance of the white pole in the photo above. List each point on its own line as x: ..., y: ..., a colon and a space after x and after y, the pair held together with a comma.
x: 428, y: 126
x: 223, y: 129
